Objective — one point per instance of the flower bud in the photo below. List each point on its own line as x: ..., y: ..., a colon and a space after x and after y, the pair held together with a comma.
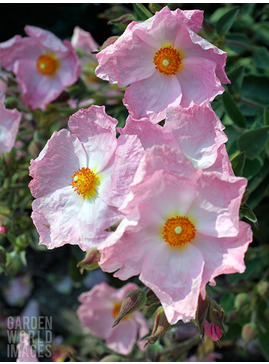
x: 152, y: 299
x: 134, y: 300
x: 112, y: 358
x: 34, y: 148
x: 263, y: 288
x: 90, y: 262
x: 160, y: 326
x: 215, y: 314
x: 3, y: 229
x: 249, y: 332
x: 213, y: 331
x: 241, y: 300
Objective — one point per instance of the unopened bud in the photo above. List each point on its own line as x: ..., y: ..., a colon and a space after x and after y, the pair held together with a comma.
x: 112, y: 358
x: 34, y: 148
x: 263, y: 288
x: 161, y: 325
x: 134, y: 300
x: 3, y: 229
x: 249, y: 332
x: 215, y: 314
x: 90, y: 262
x: 241, y: 300
x: 213, y: 331
x: 152, y: 299
x: 201, y: 313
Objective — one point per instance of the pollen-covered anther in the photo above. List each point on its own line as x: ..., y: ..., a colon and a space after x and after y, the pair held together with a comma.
x: 47, y: 65
x: 178, y: 231
x: 168, y: 60
x: 85, y: 182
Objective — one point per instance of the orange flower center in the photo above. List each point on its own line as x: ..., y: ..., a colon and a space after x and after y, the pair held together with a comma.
x: 47, y: 65
x: 116, y: 311
x: 178, y: 231
x: 85, y: 182
x: 168, y: 60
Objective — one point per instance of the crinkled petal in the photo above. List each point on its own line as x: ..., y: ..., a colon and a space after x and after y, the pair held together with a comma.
x: 127, y: 157
x: 216, y: 210
x: 222, y: 164
x: 123, y: 337
x: 151, y: 97
x: 83, y: 40
x: 52, y: 170
x: 198, y: 131
x: 198, y: 81
x: 175, y: 276
x: 9, y: 125
x: 69, y: 68
x: 46, y: 38
x: 193, y: 45
x: 128, y: 60
x: 148, y: 133
x: 224, y: 255
x: 18, y: 48
x: 83, y: 222
x: 86, y: 123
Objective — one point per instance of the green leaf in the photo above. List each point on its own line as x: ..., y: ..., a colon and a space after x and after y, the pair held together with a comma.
x: 266, y: 116
x: 252, y: 167
x: 256, y: 88
x: 261, y: 31
x: 236, y: 77
x: 142, y: 12
x: 233, y: 110
x: 261, y: 58
x: 247, y: 212
x: 226, y: 20
x: 263, y: 341
x: 254, y: 141
x: 238, y: 163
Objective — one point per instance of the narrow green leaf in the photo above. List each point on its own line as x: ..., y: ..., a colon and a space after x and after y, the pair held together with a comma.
x: 254, y: 141
x: 247, y: 212
x: 238, y: 163
x: 233, y: 110
x: 236, y: 77
x: 142, y: 12
x: 256, y: 89
x: 226, y: 20
x: 261, y: 58
x: 266, y: 116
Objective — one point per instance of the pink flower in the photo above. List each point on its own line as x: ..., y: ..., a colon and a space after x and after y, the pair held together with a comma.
x: 84, y: 41
x: 25, y: 351
x: 196, y: 131
x: 181, y: 230
x: 80, y: 179
x: 9, y: 125
x: 43, y: 64
x: 213, y: 331
x: 165, y: 63
x: 99, y: 309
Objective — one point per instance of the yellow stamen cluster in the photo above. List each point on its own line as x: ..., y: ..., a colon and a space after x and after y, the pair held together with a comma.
x: 178, y: 231
x: 85, y: 182
x: 47, y: 65
x: 168, y: 60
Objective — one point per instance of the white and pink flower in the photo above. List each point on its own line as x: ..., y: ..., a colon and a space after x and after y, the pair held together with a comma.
x: 9, y: 126
x: 81, y: 178
x: 25, y: 351
x: 42, y: 63
x: 181, y: 230
x: 98, y: 311
x: 165, y: 63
